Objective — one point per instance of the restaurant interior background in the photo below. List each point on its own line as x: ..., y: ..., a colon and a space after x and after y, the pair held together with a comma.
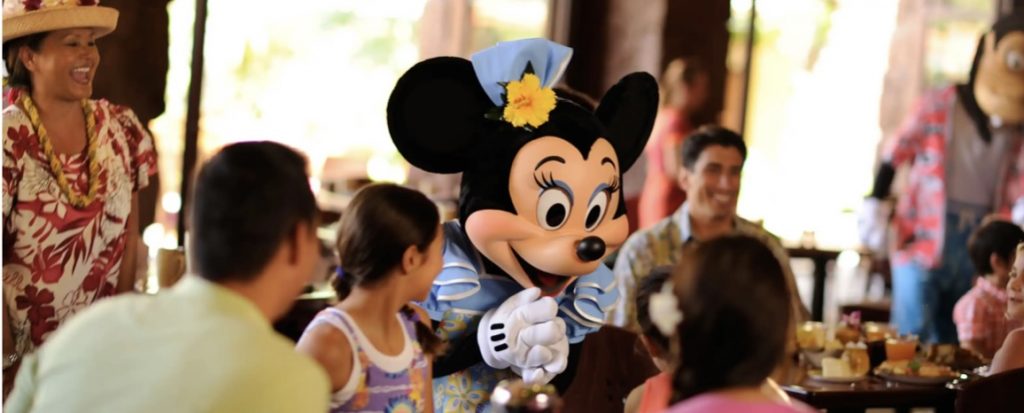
x: 813, y: 88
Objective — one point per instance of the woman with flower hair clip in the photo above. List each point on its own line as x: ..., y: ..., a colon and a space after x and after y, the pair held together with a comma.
x: 654, y: 395
x: 71, y: 169
x: 728, y: 319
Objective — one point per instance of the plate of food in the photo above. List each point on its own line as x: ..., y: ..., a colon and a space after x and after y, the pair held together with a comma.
x: 838, y: 370
x: 815, y: 375
x: 952, y: 355
x: 915, y: 372
x: 921, y: 380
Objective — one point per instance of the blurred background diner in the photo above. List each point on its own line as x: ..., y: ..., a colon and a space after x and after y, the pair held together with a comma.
x: 816, y: 89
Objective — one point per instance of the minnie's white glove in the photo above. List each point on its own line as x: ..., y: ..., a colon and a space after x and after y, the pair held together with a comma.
x: 523, y: 332
x: 549, y: 344
x: 873, y: 226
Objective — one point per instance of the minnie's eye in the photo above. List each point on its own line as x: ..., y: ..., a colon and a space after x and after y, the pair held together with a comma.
x: 553, y: 209
x: 596, y: 209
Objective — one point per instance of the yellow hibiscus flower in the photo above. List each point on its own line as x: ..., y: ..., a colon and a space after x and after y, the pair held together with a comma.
x: 528, y: 102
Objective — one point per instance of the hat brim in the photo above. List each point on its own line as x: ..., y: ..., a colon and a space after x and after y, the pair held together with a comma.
x: 101, y: 19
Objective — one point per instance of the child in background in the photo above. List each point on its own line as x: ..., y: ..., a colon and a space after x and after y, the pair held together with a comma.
x: 374, y: 345
x: 1011, y: 355
x: 980, y: 315
x: 730, y: 314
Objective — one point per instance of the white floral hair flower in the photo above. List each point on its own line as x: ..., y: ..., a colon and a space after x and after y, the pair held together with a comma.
x: 663, y: 308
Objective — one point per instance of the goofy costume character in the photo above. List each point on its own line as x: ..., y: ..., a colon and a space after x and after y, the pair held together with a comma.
x: 540, y: 207
x: 964, y: 148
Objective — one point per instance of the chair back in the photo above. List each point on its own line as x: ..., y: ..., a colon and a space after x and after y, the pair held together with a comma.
x: 1003, y: 392
x: 612, y: 363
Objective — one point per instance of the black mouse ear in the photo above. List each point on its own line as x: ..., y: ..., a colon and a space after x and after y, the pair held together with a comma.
x: 435, y: 113
x: 627, y: 112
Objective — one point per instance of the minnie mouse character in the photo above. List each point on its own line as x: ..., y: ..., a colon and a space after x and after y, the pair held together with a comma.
x: 540, y: 207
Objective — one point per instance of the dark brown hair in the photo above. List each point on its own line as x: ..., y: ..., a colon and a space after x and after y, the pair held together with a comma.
x: 381, y: 222
x: 248, y: 200
x: 736, y: 310
x: 18, y: 75
x: 996, y: 237
x: 651, y: 284
x: 710, y: 135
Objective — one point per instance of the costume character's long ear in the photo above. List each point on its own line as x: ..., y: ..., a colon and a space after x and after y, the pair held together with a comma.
x: 627, y: 112
x: 435, y: 114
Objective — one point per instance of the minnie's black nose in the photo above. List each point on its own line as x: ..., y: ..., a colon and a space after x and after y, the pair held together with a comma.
x: 590, y: 249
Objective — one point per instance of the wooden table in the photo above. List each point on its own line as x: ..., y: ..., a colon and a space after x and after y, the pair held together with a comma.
x: 821, y: 259
x: 872, y: 392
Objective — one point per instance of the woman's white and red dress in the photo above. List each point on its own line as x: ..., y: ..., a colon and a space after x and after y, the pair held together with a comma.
x: 58, y: 259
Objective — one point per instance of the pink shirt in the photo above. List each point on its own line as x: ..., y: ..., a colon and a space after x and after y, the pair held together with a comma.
x: 981, y: 315
x: 720, y: 404
x: 661, y: 194
x: 657, y: 393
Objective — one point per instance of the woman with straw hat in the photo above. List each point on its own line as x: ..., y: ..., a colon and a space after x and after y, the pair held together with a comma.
x: 71, y: 169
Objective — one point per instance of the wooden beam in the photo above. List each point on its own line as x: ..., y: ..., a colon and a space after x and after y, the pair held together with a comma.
x: 195, y: 91
x: 699, y: 28
x: 748, y: 66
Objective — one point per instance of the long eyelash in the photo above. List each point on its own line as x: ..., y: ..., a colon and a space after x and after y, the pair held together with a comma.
x: 545, y: 182
x: 615, y: 185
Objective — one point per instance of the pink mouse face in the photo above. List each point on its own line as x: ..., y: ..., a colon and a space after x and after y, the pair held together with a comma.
x: 564, y: 224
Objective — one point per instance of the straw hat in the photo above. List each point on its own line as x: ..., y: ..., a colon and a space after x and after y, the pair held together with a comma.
x: 25, y: 17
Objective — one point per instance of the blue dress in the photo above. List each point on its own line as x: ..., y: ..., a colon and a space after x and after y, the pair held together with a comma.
x: 463, y: 292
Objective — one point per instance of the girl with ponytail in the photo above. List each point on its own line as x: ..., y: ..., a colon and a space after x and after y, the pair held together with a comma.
x: 376, y: 346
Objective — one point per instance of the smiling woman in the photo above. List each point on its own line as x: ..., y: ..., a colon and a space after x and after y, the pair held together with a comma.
x: 71, y: 169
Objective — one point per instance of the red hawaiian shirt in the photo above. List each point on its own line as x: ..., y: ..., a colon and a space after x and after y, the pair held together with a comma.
x: 920, y: 212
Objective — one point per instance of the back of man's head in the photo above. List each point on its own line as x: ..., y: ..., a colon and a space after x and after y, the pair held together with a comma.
x: 249, y: 198
x: 707, y: 136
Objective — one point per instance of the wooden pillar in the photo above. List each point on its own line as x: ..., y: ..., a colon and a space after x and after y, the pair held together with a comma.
x: 904, y: 79
x: 1010, y: 6
x: 635, y: 39
x: 445, y: 28
x: 588, y: 37
x: 611, y: 38
x: 195, y: 92
x: 133, y: 72
x: 700, y: 28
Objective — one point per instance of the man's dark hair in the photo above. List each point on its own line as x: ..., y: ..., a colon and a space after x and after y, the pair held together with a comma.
x: 996, y: 237
x: 709, y: 135
x: 249, y: 199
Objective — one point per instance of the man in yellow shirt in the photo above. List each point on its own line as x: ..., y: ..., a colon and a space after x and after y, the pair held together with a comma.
x: 207, y: 344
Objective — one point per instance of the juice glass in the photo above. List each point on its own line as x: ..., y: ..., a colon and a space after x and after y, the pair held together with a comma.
x: 900, y: 348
